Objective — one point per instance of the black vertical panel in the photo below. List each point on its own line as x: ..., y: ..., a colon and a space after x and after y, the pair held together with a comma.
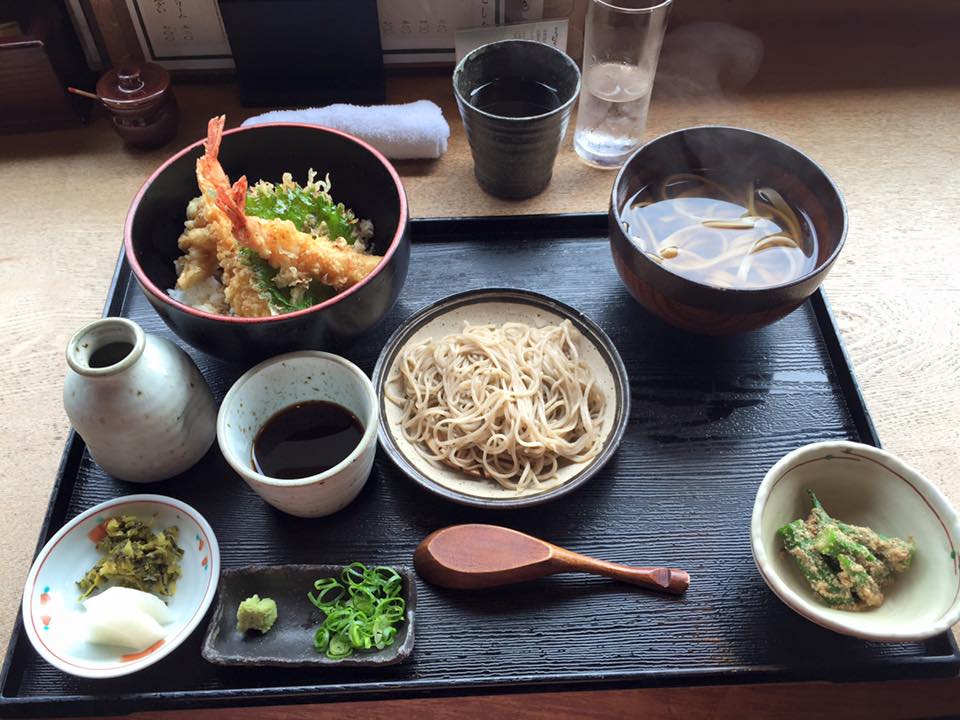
x: 305, y: 52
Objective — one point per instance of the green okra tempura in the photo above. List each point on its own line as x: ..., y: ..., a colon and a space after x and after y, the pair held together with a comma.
x: 845, y: 565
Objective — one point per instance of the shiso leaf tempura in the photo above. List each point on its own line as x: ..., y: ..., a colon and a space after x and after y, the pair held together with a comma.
x: 845, y: 565
x: 309, y: 207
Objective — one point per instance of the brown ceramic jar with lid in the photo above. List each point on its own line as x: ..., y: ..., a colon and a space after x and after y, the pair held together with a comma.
x: 141, y: 103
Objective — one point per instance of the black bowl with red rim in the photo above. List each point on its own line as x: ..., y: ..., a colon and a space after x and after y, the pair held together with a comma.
x: 362, y: 179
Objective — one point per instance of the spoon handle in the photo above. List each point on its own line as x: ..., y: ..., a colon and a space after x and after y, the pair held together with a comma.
x: 668, y: 580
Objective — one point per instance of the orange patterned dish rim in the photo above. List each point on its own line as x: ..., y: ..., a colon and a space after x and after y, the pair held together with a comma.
x: 129, y: 662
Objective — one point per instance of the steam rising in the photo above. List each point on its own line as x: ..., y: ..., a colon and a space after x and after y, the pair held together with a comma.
x: 707, y: 59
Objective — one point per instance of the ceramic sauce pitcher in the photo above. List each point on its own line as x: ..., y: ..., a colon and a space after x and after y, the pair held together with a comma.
x: 138, y: 401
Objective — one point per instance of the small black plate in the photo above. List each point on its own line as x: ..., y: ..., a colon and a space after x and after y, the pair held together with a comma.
x: 290, y: 641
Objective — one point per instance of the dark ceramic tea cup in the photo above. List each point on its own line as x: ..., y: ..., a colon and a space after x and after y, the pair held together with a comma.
x: 515, y: 98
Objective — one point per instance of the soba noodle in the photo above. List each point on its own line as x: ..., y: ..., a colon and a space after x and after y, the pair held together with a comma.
x: 698, y: 228
x: 510, y: 403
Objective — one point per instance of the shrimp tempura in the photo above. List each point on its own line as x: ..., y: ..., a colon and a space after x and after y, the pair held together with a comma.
x: 332, y: 262
x: 217, y: 228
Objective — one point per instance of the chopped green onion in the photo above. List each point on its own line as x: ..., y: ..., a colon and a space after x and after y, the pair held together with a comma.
x: 339, y: 648
x: 362, y: 608
x: 321, y: 639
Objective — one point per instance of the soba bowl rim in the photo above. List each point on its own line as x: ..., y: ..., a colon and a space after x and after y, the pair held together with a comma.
x: 151, y: 289
x: 818, y: 268
x: 431, y: 311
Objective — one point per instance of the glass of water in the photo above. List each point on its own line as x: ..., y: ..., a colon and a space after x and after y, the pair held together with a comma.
x: 621, y: 46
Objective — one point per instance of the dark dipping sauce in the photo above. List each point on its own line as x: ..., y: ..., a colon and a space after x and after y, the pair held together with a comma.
x: 305, y: 439
x: 515, y: 97
x: 109, y: 354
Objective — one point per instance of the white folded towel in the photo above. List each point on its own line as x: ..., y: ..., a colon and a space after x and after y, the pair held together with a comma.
x: 401, y: 132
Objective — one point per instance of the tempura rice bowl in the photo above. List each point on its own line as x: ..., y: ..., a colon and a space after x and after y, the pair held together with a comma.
x: 363, y: 180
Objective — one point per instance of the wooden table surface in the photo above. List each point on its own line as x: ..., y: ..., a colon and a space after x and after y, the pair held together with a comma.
x: 892, y: 147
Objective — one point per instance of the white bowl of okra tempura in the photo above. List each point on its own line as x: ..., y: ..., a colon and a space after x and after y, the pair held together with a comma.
x: 858, y: 542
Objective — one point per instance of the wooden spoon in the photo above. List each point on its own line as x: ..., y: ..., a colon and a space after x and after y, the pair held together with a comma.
x: 480, y: 556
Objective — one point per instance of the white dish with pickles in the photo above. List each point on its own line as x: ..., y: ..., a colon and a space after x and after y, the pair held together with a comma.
x: 121, y: 585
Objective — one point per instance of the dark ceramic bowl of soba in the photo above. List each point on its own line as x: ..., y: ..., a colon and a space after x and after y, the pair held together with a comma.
x: 719, y: 230
x: 362, y: 178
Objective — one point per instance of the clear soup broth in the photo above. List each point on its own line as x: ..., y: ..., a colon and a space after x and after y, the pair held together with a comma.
x: 713, y: 233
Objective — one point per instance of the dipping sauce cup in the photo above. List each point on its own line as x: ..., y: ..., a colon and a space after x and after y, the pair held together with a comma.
x: 275, y: 385
x: 515, y: 98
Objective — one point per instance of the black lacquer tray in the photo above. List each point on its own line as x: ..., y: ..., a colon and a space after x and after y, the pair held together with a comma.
x: 709, y: 417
